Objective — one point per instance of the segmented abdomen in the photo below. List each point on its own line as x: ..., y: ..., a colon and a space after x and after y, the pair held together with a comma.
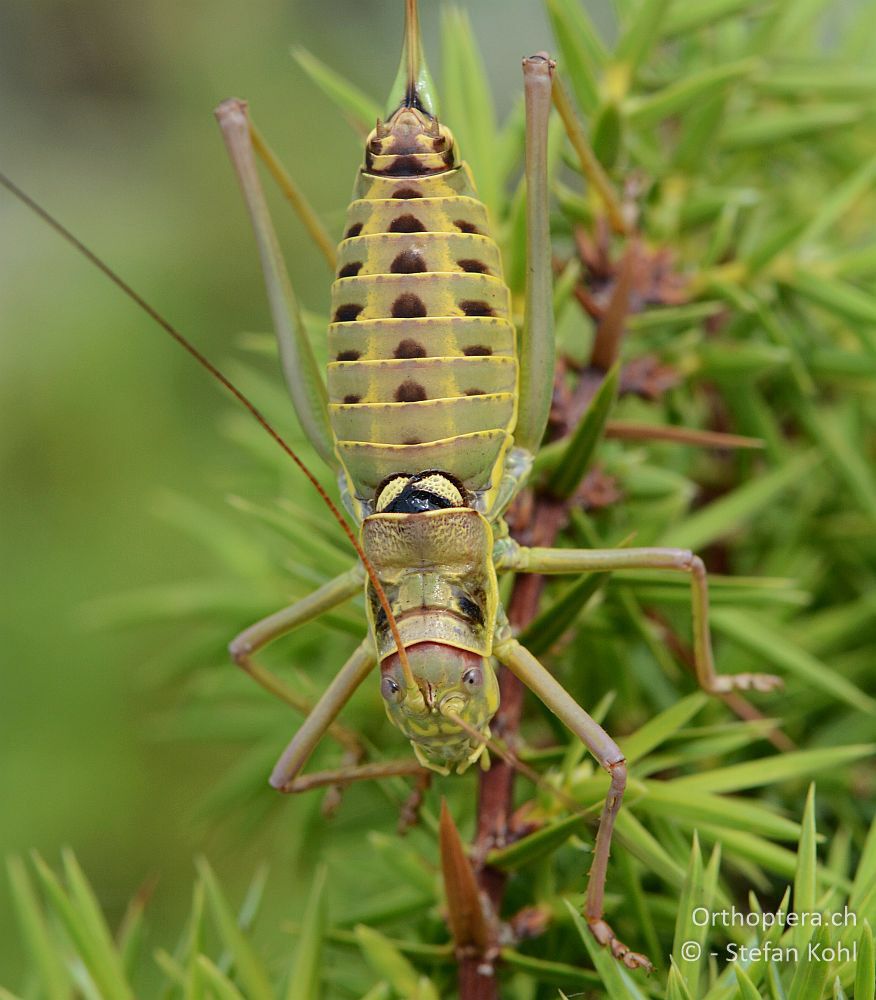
x: 422, y: 371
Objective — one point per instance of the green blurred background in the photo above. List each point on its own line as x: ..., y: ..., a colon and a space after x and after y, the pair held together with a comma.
x: 119, y: 454
x: 106, y: 119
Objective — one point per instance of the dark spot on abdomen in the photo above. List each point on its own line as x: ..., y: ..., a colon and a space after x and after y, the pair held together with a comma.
x: 477, y: 351
x: 348, y: 356
x: 406, y: 166
x: 412, y: 441
x: 475, y: 392
x: 476, y: 307
x: 406, y: 193
x: 352, y: 399
x: 347, y: 313
x: 407, y: 224
x: 408, y: 262
x: 410, y: 392
x: 408, y: 306
x: 350, y: 270
x: 354, y: 230
x: 466, y: 227
x: 473, y: 266
x: 409, y: 348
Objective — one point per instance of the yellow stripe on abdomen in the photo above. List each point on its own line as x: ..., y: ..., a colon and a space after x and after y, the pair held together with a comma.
x: 422, y: 372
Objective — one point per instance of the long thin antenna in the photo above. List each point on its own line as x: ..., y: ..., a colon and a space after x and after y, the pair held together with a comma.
x: 513, y: 761
x: 223, y: 379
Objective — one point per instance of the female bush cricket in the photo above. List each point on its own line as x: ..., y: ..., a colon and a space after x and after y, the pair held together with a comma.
x: 432, y: 413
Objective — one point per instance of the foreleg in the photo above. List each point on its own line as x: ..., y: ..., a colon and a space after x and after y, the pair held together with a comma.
x: 323, y: 714
x: 527, y: 668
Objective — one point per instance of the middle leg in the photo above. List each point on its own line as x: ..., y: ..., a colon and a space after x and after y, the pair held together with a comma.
x: 244, y: 647
x: 536, y: 560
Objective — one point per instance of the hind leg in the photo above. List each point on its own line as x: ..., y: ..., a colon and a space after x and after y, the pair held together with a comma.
x: 302, y: 375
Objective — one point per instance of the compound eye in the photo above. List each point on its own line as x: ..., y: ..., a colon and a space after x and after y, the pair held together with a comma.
x: 390, y: 689
x: 473, y: 677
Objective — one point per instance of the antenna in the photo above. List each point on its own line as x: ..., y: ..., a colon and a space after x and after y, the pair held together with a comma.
x: 238, y: 394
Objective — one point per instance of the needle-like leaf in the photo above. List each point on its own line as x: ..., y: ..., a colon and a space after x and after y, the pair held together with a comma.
x: 305, y: 973
x: 360, y: 110
x: 582, y: 443
x: 465, y: 912
x: 248, y: 966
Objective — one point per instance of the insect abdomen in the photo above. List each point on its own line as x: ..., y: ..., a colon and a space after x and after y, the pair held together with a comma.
x: 423, y: 371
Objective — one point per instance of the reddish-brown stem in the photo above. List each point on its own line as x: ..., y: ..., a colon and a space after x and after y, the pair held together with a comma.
x: 496, y: 793
x: 634, y: 430
x: 610, y: 329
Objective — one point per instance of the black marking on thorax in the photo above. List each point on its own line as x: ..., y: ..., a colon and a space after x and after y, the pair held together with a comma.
x: 413, y: 500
